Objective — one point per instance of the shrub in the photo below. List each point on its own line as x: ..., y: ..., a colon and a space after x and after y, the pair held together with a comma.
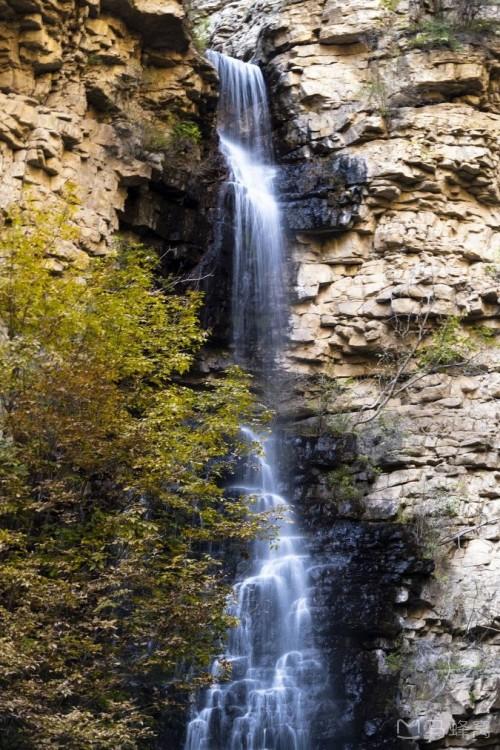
x: 344, y: 485
x: 435, y: 33
x: 377, y: 94
x: 447, y: 346
x: 446, y: 28
x: 185, y: 132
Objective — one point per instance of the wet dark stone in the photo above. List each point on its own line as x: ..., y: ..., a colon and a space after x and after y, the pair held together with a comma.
x: 317, y: 216
x: 318, y: 177
x: 321, y: 196
x: 326, y: 452
x: 357, y: 568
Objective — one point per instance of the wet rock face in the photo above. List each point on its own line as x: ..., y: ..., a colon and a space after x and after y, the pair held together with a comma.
x: 322, y: 196
x: 360, y: 569
x: 406, y: 247
x: 89, y: 94
x: 359, y: 572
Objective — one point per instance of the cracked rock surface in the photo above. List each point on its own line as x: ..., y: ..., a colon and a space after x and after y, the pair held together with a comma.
x: 389, y: 184
x: 88, y: 93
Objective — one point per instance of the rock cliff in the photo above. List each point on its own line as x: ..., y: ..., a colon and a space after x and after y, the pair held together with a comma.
x: 386, y: 120
x: 95, y: 98
x: 386, y: 128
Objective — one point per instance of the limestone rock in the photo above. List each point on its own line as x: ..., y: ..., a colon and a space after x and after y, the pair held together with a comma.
x: 345, y: 24
x: 411, y: 242
x: 79, y: 87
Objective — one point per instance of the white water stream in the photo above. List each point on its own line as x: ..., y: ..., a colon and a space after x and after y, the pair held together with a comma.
x: 244, y: 127
x: 276, y: 672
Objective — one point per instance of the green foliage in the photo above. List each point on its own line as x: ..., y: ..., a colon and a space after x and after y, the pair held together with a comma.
x: 485, y: 335
x: 390, y: 5
x: 109, y: 495
x: 369, y: 467
x: 186, y: 131
x: 447, y: 346
x: 333, y: 394
x: 493, y: 270
x: 94, y: 58
x: 155, y: 138
x: 376, y: 92
x: 435, y: 32
x: 340, y: 424
x: 446, y: 28
x: 174, y: 136
x: 201, y: 35
x: 431, y: 517
x: 343, y: 484
x: 482, y: 26
x: 394, y: 661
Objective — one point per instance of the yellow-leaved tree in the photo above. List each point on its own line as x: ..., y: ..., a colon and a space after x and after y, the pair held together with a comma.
x: 110, y: 499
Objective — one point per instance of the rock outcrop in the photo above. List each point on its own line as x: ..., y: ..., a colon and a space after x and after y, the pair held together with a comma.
x: 92, y: 95
x: 387, y: 132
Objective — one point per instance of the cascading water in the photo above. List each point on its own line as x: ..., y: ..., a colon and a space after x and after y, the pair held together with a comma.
x: 244, y: 127
x: 276, y: 673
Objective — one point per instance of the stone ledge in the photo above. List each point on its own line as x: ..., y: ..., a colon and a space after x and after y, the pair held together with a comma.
x: 160, y: 22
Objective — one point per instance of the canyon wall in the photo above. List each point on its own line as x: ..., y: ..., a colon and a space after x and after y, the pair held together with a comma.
x: 389, y: 182
x: 387, y: 134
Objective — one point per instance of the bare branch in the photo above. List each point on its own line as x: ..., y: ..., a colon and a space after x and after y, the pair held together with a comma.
x: 457, y: 537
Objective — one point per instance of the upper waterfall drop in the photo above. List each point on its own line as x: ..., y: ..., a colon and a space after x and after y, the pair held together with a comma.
x: 258, y: 287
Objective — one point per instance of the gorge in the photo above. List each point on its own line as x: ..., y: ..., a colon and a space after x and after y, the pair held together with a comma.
x: 379, y: 156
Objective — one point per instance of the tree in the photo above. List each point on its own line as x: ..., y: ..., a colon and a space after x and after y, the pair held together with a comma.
x: 110, y: 499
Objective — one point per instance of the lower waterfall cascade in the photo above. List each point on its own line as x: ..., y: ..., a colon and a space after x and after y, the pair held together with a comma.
x: 276, y: 671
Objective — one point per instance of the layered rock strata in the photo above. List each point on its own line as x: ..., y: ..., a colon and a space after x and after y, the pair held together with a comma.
x: 388, y: 140
x: 90, y: 95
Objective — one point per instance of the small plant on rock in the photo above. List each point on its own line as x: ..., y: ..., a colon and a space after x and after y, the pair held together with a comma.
x: 201, y: 35
x: 390, y: 5
x: 185, y: 132
x: 333, y: 396
x: 394, y: 661
x: 434, y: 33
x: 181, y: 135
x: 447, y: 26
x: 342, y: 482
x: 376, y: 92
x: 447, y: 346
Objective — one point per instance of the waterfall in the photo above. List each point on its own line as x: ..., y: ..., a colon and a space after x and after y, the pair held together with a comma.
x: 244, y: 127
x: 276, y: 672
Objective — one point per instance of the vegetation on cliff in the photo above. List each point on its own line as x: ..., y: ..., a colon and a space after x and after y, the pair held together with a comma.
x: 448, y: 23
x: 109, y: 494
